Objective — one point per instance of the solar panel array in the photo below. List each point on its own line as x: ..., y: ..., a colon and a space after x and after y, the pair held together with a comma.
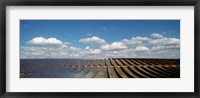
x: 128, y: 68
x: 104, y: 68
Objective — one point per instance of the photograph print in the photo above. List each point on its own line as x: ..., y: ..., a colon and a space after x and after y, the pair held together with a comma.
x: 99, y: 49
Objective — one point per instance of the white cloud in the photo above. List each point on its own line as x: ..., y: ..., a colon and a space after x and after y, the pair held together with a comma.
x: 44, y: 41
x: 136, y: 47
x: 66, y: 43
x: 156, y: 35
x: 116, y: 55
x: 43, y: 52
x: 138, y: 38
x: 89, y: 51
x: 114, y: 46
x: 87, y: 48
x: 166, y: 41
x: 93, y: 40
x: 95, y: 51
x: 168, y: 54
x: 135, y: 40
x: 165, y: 47
x: 141, y: 48
x: 74, y: 55
x: 74, y: 49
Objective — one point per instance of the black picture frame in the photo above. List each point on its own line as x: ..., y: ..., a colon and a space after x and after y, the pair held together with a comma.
x: 4, y: 3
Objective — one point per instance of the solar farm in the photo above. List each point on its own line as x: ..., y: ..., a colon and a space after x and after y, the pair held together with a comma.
x: 100, y: 68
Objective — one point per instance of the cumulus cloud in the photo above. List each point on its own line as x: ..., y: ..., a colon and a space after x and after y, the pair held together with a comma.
x: 114, y: 46
x: 90, y: 51
x: 166, y: 41
x: 93, y: 40
x: 165, y: 47
x: 95, y: 51
x: 141, y: 48
x: 168, y: 53
x: 157, y: 46
x: 74, y: 49
x: 87, y: 48
x: 156, y: 35
x: 43, y: 52
x: 138, y: 38
x: 66, y: 43
x: 116, y: 55
x: 57, y: 48
x: 44, y: 41
x: 135, y: 40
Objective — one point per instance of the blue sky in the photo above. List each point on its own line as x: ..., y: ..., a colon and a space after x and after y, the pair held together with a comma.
x: 99, y: 38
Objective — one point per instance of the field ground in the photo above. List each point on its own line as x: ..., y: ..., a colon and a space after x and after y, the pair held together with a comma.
x: 100, y: 68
